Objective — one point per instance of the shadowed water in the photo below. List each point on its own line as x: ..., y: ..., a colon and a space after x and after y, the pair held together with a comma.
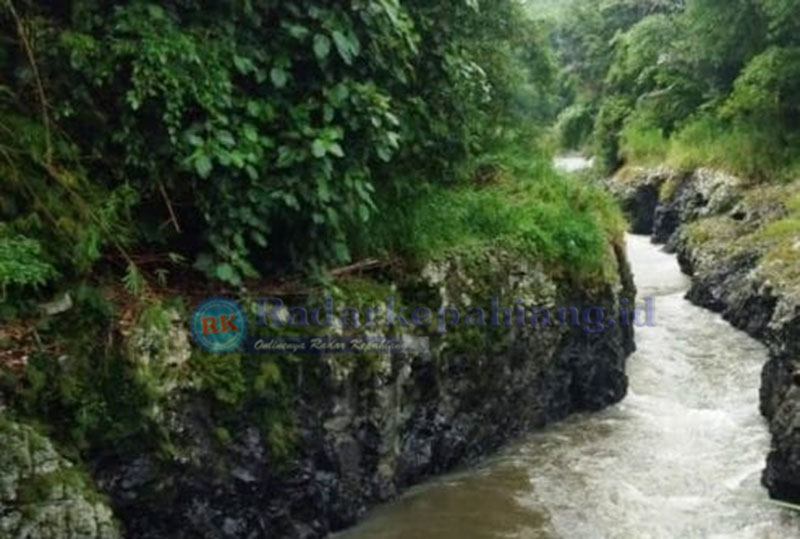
x: 680, y: 458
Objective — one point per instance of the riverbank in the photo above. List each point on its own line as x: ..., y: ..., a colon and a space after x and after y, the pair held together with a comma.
x: 171, y: 441
x: 362, y: 429
x: 681, y: 456
x: 366, y: 431
x: 739, y: 244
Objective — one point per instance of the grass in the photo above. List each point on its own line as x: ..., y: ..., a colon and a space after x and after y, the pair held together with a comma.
x: 777, y: 238
x: 643, y: 143
x: 738, y: 148
x: 528, y: 209
x: 781, y: 260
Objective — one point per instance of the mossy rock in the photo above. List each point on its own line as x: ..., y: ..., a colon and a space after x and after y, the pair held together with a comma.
x: 43, y: 495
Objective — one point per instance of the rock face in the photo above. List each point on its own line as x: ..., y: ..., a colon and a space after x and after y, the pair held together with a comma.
x: 42, y: 495
x: 638, y: 192
x: 367, y: 432
x: 741, y: 246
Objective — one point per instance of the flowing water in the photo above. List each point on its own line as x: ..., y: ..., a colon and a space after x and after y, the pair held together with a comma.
x: 572, y: 163
x: 680, y: 457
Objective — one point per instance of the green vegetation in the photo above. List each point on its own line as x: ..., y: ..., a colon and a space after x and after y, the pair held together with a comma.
x: 21, y: 262
x: 43, y: 488
x: 526, y: 209
x: 687, y: 83
x: 182, y: 130
x: 149, y: 147
x: 574, y: 125
x: 773, y: 234
x: 79, y: 384
x: 249, y: 390
x: 782, y: 258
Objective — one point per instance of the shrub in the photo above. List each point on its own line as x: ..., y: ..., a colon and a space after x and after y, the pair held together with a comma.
x: 608, y: 124
x: 766, y: 93
x: 255, y: 131
x: 77, y: 383
x: 574, y: 125
x: 22, y: 262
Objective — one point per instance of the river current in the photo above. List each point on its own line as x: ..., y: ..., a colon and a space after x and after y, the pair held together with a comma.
x: 679, y: 458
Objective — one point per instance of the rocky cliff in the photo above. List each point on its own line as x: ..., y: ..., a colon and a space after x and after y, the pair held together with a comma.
x: 740, y: 243
x: 353, y: 432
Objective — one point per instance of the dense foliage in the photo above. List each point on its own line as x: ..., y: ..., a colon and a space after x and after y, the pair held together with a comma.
x: 243, y: 137
x: 189, y: 148
x: 695, y: 82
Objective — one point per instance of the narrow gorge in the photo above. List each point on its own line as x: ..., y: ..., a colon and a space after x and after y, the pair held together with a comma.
x: 683, y: 455
x: 398, y: 269
x: 727, y: 235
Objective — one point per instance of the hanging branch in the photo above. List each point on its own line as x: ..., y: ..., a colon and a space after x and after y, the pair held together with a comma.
x: 26, y: 45
x: 168, y: 203
x: 49, y: 165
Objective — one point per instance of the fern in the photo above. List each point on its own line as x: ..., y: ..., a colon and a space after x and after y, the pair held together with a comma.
x: 134, y: 281
x: 22, y: 262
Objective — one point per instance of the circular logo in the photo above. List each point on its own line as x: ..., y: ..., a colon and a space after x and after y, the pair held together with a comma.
x: 219, y: 325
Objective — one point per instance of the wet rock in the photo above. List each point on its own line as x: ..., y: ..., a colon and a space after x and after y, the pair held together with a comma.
x: 638, y: 190
x: 703, y: 193
x: 659, y: 200
x: 782, y: 475
x: 720, y: 228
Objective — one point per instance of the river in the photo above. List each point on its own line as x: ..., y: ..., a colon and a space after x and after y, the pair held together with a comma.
x: 572, y: 163
x: 679, y: 458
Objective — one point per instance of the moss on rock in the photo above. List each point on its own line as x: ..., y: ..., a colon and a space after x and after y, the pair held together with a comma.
x: 45, y: 496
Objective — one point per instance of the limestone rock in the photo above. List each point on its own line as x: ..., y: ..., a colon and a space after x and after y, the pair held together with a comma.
x: 42, y: 495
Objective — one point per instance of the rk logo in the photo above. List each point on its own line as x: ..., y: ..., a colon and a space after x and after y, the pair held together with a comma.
x: 219, y: 325
x: 226, y: 324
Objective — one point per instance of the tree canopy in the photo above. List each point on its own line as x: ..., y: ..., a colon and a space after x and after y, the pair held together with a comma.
x: 648, y: 70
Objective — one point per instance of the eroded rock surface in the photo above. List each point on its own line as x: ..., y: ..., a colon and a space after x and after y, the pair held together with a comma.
x: 741, y: 245
x: 42, y: 495
x: 365, y: 432
x: 638, y: 191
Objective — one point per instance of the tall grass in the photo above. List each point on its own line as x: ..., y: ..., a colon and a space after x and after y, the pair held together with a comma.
x: 738, y: 147
x: 528, y: 209
x: 643, y: 142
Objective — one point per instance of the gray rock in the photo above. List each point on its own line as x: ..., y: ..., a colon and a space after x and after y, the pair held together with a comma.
x: 42, y: 495
x: 638, y: 191
x: 715, y: 224
x: 367, y: 433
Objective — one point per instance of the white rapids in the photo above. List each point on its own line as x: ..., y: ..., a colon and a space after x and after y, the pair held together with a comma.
x: 679, y: 458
